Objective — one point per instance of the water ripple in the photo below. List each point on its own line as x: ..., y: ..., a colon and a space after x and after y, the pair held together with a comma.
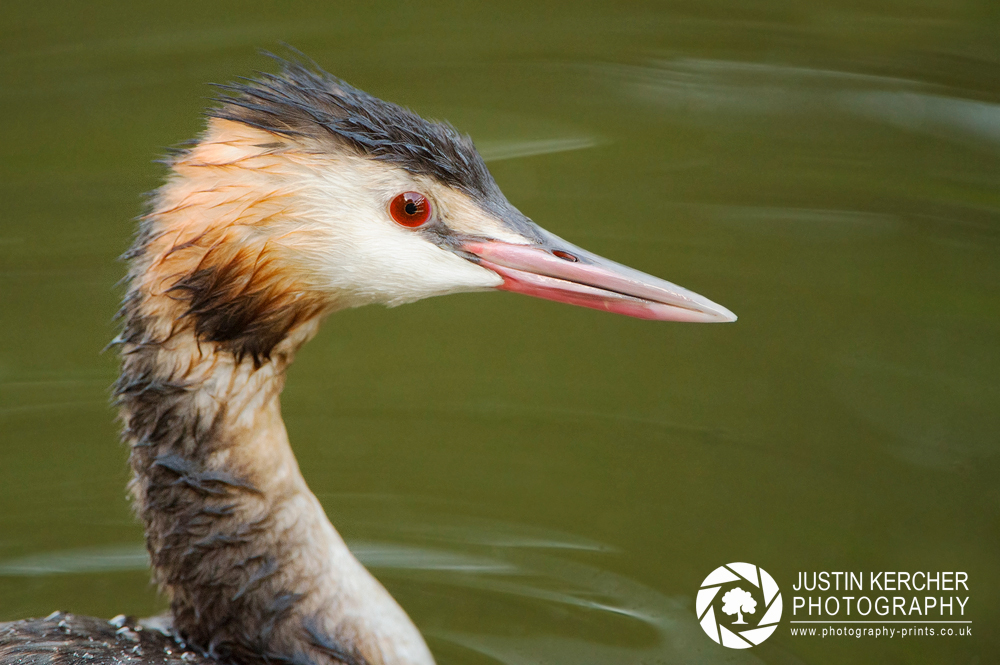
x: 588, y: 630
x: 706, y: 88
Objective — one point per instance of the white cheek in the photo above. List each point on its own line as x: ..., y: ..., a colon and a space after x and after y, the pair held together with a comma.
x: 364, y: 257
x: 394, y: 265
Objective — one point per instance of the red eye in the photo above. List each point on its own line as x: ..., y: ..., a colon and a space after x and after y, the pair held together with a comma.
x: 410, y: 209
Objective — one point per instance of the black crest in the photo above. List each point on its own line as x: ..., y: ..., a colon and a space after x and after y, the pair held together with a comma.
x: 304, y: 100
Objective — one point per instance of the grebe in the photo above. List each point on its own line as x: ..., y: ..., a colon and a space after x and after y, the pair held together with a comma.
x: 302, y: 197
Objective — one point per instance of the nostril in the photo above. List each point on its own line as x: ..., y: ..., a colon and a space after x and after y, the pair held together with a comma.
x: 565, y: 256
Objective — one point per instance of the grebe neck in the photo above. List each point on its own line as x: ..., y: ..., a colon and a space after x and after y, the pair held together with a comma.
x: 253, y: 568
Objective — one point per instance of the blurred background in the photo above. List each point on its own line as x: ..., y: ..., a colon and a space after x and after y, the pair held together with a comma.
x: 537, y: 483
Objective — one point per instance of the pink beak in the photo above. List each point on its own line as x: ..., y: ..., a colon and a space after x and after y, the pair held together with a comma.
x: 565, y: 273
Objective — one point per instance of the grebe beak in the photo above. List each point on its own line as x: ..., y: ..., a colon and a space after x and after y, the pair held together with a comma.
x: 557, y: 270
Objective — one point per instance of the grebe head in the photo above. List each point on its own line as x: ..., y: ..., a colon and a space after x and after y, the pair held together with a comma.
x: 303, y: 196
x: 323, y: 197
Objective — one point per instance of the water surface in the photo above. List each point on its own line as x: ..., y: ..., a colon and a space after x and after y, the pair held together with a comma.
x: 537, y: 483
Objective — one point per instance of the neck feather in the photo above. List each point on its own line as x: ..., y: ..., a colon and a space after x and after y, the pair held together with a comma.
x: 254, y: 570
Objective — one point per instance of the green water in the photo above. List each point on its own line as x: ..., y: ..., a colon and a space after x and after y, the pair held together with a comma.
x: 538, y: 483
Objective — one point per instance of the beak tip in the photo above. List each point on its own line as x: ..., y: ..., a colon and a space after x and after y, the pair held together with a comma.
x: 723, y: 315
x: 711, y: 311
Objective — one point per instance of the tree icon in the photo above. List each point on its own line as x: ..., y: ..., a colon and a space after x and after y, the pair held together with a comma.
x: 737, y: 601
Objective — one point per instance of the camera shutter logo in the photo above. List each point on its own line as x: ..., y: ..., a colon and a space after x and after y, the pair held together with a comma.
x: 739, y: 603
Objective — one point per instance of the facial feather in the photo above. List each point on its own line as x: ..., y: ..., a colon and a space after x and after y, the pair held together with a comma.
x: 255, y: 234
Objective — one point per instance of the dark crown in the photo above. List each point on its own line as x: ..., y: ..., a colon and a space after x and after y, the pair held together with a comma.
x: 305, y: 101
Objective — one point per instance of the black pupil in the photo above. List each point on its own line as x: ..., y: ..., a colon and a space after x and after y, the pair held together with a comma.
x: 410, y: 208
